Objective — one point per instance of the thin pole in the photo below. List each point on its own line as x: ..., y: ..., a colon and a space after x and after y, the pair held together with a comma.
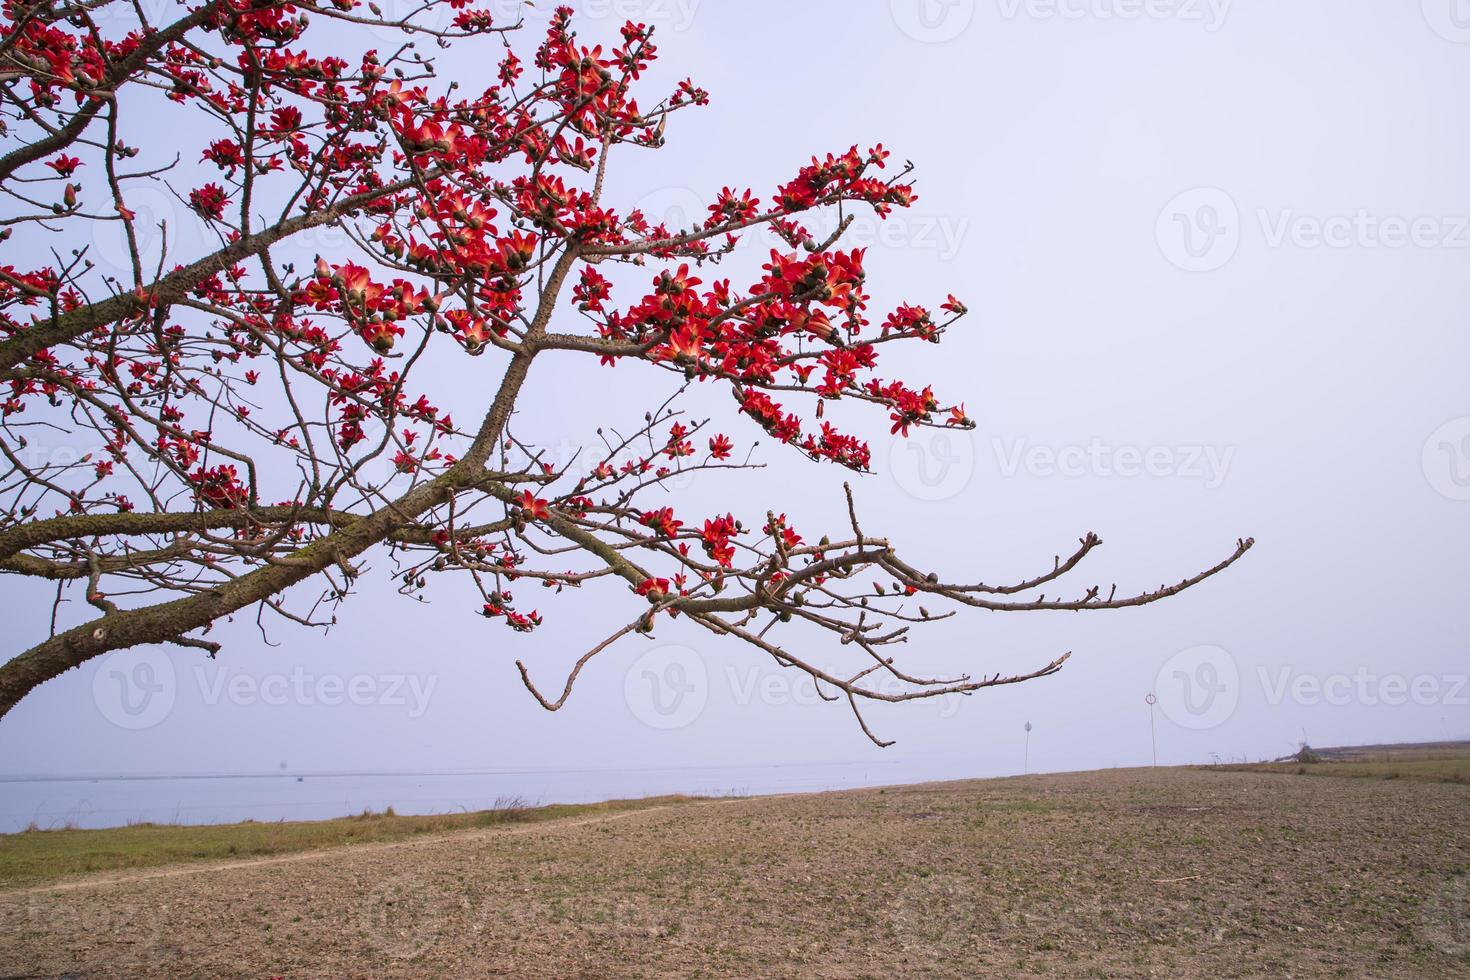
x: 1153, y: 737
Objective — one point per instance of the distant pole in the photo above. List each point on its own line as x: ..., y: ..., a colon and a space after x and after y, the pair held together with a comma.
x: 1153, y: 737
x: 1026, y: 758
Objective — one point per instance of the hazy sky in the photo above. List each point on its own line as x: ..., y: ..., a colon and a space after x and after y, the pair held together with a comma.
x: 1217, y: 259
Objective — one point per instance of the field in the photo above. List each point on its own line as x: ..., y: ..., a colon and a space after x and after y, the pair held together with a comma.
x: 1223, y: 871
x: 1440, y: 762
x: 39, y: 856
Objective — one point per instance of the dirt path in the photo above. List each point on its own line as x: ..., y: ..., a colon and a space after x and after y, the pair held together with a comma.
x: 463, y: 837
x: 1167, y: 873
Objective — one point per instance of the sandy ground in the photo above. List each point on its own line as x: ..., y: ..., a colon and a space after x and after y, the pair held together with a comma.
x: 1168, y: 873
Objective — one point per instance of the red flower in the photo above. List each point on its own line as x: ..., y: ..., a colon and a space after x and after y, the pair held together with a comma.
x: 653, y: 588
x: 225, y: 154
x: 662, y: 521
x: 716, y: 536
x: 673, y: 284
x: 64, y: 165
x: 421, y: 137
x: 533, y: 507
x: 219, y: 486
x: 209, y: 201
x: 678, y: 445
x: 720, y: 446
x: 592, y: 291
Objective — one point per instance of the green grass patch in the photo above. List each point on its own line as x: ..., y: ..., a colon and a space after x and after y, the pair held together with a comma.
x: 1439, y: 765
x: 38, y: 856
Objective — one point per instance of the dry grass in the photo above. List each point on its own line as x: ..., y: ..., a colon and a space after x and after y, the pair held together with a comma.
x: 38, y: 856
x: 1436, y: 762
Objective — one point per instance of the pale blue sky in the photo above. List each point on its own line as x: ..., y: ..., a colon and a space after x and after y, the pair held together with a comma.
x: 1293, y: 387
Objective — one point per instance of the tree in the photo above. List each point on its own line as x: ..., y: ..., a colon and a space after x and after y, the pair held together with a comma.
x: 259, y: 427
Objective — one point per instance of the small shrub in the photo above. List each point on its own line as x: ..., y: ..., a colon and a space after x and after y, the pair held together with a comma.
x: 1306, y: 755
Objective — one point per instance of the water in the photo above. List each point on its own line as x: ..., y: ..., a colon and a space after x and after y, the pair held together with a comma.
x: 111, y: 801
